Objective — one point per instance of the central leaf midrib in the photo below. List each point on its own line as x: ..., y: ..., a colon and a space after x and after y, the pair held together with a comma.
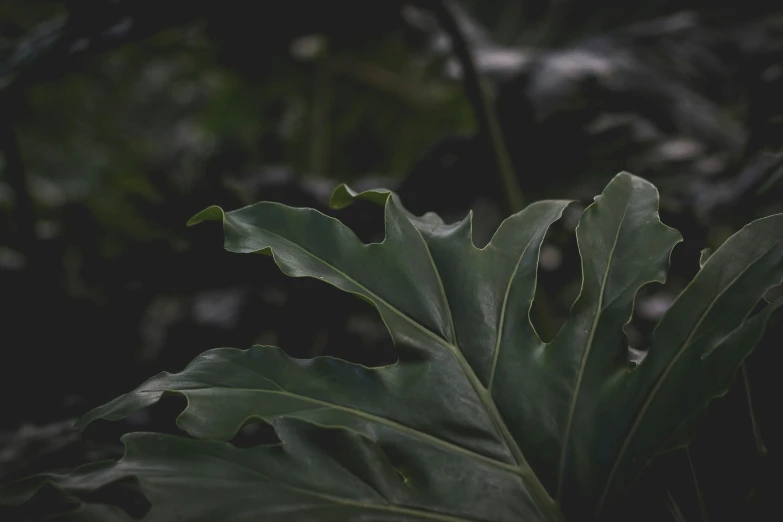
x: 413, y: 432
x: 585, y: 355
x: 664, y: 375
x: 523, y: 468
x: 538, y: 493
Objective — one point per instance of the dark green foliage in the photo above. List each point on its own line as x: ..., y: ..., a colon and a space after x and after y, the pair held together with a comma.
x: 478, y: 419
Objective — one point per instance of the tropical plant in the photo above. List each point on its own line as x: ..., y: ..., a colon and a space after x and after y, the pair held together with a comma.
x: 478, y: 420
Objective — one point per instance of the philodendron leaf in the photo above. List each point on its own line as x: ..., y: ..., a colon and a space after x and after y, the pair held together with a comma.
x: 704, y: 256
x: 479, y: 420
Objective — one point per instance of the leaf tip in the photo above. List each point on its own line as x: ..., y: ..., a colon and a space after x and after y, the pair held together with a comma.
x: 624, y: 174
x: 85, y: 420
x: 213, y: 213
x: 344, y: 195
x: 81, y: 423
x: 704, y: 255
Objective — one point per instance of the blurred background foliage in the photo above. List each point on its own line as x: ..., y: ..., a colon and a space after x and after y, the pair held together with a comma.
x: 120, y: 119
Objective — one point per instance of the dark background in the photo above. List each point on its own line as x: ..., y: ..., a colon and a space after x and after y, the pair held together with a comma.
x: 121, y: 119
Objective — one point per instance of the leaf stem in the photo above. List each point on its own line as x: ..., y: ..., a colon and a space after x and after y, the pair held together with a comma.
x: 483, y: 108
x: 702, y: 506
x: 760, y: 446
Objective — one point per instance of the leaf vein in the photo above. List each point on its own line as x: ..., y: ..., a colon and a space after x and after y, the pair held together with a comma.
x: 665, y: 374
x: 585, y: 355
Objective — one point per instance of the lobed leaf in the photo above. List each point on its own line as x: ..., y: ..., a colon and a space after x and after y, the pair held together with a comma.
x: 479, y: 419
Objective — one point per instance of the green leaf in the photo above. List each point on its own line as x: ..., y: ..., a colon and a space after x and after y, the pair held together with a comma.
x: 314, y: 474
x: 479, y: 419
x: 343, y: 196
x: 704, y: 255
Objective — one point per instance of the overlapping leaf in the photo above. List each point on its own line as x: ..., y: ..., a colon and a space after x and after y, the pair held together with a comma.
x: 479, y: 419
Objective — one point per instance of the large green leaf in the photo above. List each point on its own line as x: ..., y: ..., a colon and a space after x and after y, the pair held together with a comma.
x: 479, y: 419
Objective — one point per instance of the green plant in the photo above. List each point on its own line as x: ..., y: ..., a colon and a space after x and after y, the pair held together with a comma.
x: 478, y: 419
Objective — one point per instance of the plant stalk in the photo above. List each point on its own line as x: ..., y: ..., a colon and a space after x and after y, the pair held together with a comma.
x: 760, y: 446
x: 702, y: 506
x: 483, y: 107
